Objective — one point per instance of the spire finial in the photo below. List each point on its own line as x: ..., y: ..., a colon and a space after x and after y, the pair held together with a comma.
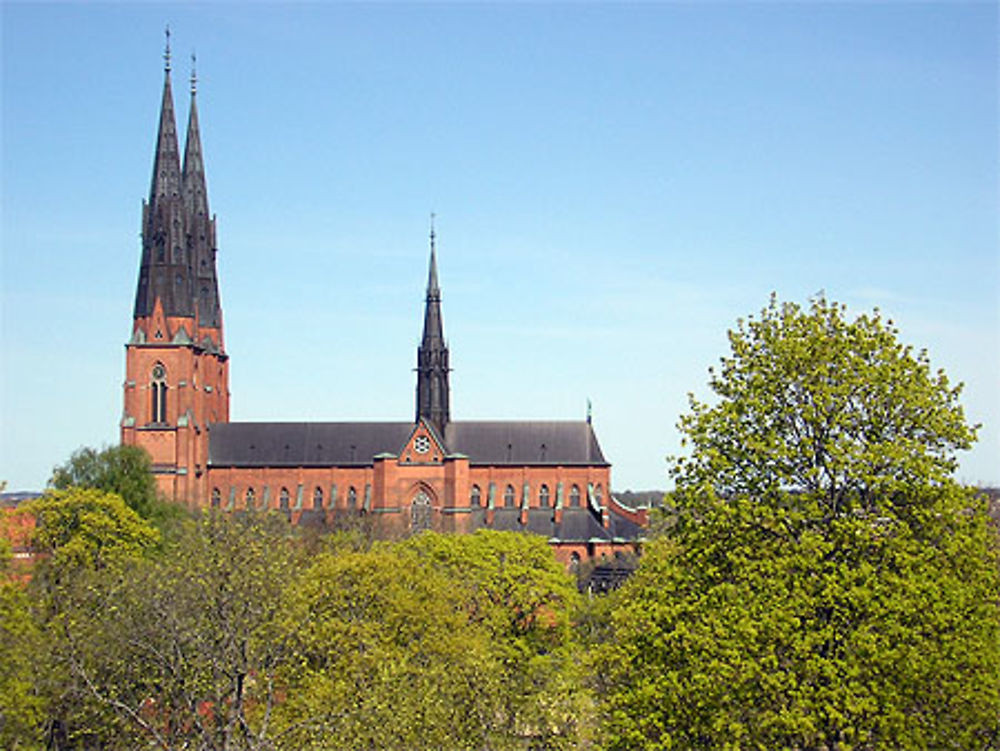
x: 194, y: 74
x: 166, y: 50
x: 432, y: 231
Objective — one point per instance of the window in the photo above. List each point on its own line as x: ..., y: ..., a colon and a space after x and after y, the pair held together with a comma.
x: 318, y: 498
x: 476, y: 496
x: 250, y: 499
x: 216, y: 498
x: 574, y: 496
x: 543, y: 496
x: 508, y: 496
x: 352, y: 498
x: 158, y: 394
x: 421, y: 444
x: 420, y: 512
x: 599, y: 495
x: 283, y: 499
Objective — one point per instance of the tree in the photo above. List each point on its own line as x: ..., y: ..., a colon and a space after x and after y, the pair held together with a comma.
x: 812, y: 402
x: 124, y: 470
x: 824, y: 583
x: 180, y: 649
x: 84, y: 527
x: 512, y: 586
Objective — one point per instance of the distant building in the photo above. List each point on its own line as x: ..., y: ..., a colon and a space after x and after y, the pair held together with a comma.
x: 431, y: 472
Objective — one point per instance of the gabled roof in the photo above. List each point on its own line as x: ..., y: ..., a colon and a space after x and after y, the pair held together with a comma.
x: 293, y: 444
x: 285, y: 444
x: 527, y: 442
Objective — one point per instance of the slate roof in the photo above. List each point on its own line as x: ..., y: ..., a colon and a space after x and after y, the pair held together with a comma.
x: 323, y: 444
x: 577, y: 525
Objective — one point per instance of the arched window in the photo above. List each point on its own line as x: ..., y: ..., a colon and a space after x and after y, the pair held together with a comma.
x: 352, y: 497
x: 599, y: 495
x: 158, y: 394
x: 283, y: 499
x: 543, y: 496
x: 508, y: 496
x: 318, y: 498
x: 574, y: 560
x: 216, y: 498
x: 475, y: 496
x: 420, y: 512
x: 250, y: 499
x: 574, y: 496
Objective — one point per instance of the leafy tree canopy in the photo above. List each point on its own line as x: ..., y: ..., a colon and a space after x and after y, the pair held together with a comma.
x: 84, y: 527
x: 810, y: 401
x: 124, y: 470
x: 825, y: 584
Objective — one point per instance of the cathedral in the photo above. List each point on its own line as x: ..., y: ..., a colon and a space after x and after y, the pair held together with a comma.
x: 432, y: 472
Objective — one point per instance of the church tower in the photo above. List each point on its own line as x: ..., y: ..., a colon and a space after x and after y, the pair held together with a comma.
x: 177, y: 374
x: 432, y: 356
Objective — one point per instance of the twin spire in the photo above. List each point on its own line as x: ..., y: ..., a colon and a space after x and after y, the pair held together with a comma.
x: 178, y: 232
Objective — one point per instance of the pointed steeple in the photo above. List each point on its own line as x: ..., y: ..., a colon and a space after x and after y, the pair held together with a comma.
x: 200, y: 225
x: 432, y: 355
x: 165, y: 268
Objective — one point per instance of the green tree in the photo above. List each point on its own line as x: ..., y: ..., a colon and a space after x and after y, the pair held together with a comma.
x: 812, y: 402
x: 387, y: 658
x: 823, y: 584
x: 124, y: 470
x: 88, y: 528
x: 512, y: 586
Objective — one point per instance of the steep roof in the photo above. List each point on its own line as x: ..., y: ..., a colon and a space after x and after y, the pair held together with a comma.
x: 525, y: 442
x: 288, y: 444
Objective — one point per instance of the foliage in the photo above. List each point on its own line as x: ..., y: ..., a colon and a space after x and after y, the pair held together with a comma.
x: 810, y: 401
x: 83, y: 527
x: 513, y: 587
x: 821, y: 582
x: 238, y: 635
x: 387, y: 659
x: 124, y: 470
x: 22, y: 707
x: 176, y: 649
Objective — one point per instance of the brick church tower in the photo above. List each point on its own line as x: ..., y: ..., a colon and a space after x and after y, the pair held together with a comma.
x: 177, y: 372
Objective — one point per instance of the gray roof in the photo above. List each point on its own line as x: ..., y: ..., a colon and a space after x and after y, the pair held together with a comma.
x: 576, y: 525
x: 320, y: 444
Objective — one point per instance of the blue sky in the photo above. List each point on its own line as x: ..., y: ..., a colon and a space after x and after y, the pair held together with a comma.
x: 615, y: 184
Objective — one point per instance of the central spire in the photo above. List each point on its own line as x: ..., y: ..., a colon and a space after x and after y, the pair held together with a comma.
x: 432, y: 355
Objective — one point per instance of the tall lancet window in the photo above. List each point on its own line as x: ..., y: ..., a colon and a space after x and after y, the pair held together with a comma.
x: 158, y: 394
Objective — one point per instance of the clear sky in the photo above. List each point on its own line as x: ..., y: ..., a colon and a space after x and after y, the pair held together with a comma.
x: 614, y: 184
